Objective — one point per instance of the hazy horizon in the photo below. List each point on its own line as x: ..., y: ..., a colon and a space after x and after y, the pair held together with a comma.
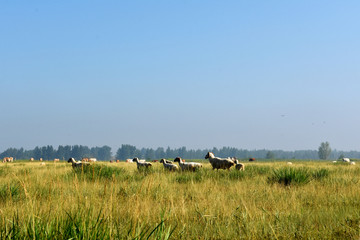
x: 249, y: 75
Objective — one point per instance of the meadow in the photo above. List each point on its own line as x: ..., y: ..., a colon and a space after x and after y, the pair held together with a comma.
x: 269, y: 200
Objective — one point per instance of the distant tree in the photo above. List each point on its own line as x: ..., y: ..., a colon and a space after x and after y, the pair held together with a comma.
x: 76, y: 152
x: 324, y: 150
x: 48, y: 152
x: 37, y: 153
x: 104, y: 153
x: 169, y: 153
x: 127, y: 151
x: 60, y: 153
x: 150, y: 154
x: 160, y: 153
x: 182, y: 152
x: 270, y: 155
x: 67, y: 152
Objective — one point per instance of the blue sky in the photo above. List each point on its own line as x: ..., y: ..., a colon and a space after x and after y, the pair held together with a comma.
x: 200, y: 74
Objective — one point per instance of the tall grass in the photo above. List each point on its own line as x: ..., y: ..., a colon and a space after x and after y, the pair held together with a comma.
x: 290, y: 176
x: 116, y: 201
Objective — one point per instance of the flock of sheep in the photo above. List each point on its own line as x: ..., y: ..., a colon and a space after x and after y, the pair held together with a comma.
x: 346, y: 160
x: 216, y: 163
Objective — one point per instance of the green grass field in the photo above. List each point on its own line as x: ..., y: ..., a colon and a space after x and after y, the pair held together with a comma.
x: 269, y: 200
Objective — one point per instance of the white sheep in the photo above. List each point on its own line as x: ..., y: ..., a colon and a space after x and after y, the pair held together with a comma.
x: 346, y: 160
x: 141, y: 164
x: 8, y: 159
x: 239, y: 166
x: 169, y: 165
x: 289, y: 163
x: 219, y: 163
x: 352, y: 163
x: 78, y: 164
x: 187, y: 166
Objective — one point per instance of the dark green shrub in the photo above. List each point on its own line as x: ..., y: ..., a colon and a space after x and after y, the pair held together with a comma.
x: 186, y: 177
x: 320, y: 174
x: 10, y: 191
x: 236, y: 175
x: 290, y: 176
x: 96, y: 171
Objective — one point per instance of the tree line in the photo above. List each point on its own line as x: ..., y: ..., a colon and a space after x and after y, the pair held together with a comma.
x: 127, y: 151
x: 62, y: 152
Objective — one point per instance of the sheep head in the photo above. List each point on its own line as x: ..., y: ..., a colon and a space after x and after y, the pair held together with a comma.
x: 209, y: 155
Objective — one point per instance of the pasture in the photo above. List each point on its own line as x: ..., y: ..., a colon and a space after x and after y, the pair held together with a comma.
x: 269, y: 200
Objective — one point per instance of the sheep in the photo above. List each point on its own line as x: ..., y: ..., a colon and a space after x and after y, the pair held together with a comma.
x: 88, y: 159
x: 219, y: 163
x: 346, y: 160
x: 289, y: 163
x: 239, y: 166
x: 42, y: 164
x: 352, y: 163
x: 141, y: 164
x: 187, y: 166
x: 76, y: 164
x: 169, y: 165
x: 8, y: 159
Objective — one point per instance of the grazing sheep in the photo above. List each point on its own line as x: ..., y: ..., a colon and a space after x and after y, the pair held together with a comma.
x: 239, y: 166
x: 141, y: 164
x: 334, y: 161
x: 8, y: 159
x: 187, y: 166
x: 78, y: 164
x: 346, y: 160
x: 42, y: 164
x: 219, y: 163
x: 289, y: 163
x: 167, y: 161
x: 56, y: 159
x: 352, y: 163
x: 169, y: 165
x: 88, y: 159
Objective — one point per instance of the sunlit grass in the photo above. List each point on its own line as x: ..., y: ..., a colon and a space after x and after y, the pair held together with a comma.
x: 110, y: 201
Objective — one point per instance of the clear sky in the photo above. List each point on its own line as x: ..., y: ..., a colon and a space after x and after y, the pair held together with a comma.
x: 201, y: 74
